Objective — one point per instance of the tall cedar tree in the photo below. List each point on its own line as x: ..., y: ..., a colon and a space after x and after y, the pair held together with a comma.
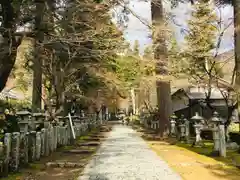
x: 201, y: 39
x: 160, y: 56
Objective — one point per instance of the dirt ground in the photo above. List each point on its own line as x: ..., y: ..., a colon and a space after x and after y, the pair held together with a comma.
x: 193, y: 166
x: 41, y: 171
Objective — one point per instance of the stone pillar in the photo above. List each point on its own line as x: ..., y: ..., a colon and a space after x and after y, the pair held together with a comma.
x: 7, y: 152
x: 55, y: 130
x: 38, y: 145
x: 47, y: 139
x: 187, y: 130
x: 58, y: 136
x: 68, y: 135
x: 198, y: 127
x: 216, y: 138
x: 182, y: 131
x: 38, y: 118
x: 80, y: 129
x: 198, y: 132
x: 222, y: 140
x: 50, y: 138
x: 43, y: 141
x: 228, y: 140
x: 46, y: 124
x: 15, y: 152
x: 23, y: 120
x: 24, y: 138
x: 219, y: 145
x: 64, y: 139
x: 76, y: 130
x: 1, y: 153
x: 173, y: 127
x: 83, y: 128
x: 62, y: 135
x: 100, y: 117
x: 32, y: 146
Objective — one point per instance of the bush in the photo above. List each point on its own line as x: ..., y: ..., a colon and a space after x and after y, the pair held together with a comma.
x: 233, y: 127
x: 15, y: 104
x: 135, y: 118
x: 235, y: 137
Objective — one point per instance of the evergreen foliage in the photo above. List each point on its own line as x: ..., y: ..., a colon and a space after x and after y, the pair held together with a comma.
x: 201, y: 40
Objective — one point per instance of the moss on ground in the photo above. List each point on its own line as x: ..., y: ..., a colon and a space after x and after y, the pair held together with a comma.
x: 16, y: 176
x: 193, y: 162
x: 233, y: 157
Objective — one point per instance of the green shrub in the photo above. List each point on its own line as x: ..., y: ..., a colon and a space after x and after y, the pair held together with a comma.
x: 135, y: 118
x: 233, y: 127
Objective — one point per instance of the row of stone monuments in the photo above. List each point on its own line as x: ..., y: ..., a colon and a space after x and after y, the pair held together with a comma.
x: 180, y: 128
x: 32, y: 143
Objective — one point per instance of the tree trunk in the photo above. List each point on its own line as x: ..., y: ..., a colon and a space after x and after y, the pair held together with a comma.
x: 60, y: 90
x: 133, y: 98
x: 37, y: 84
x: 236, y: 8
x: 6, y: 66
x: 37, y: 62
x: 8, y: 42
x: 160, y: 56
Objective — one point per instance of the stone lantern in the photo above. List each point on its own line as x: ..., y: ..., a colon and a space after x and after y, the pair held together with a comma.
x: 198, y: 126
x: 187, y: 130
x: 215, y: 119
x: 173, y: 124
x: 182, y: 127
x: 76, y: 120
x: 61, y: 120
x: 219, y: 135
x: 181, y: 119
x: 24, y: 119
x: 38, y: 118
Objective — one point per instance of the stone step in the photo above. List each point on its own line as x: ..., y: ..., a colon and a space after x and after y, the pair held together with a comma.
x: 89, y: 144
x: 64, y: 164
x: 97, y: 136
x: 79, y: 151
x: 93, y: 139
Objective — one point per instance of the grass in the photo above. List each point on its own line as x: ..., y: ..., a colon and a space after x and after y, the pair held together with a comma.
x: 87, y: 136
x: 15, y: 176
x: 67, y: 147
x: 194, y: 162
x: 233, y: 157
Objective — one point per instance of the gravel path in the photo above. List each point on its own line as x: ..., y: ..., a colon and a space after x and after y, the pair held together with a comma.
x: 125, y: 156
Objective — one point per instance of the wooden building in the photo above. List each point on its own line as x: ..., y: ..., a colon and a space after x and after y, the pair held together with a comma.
x: 188, y: 101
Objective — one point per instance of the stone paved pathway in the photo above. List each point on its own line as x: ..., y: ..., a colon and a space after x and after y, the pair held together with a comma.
x: 125, y: 156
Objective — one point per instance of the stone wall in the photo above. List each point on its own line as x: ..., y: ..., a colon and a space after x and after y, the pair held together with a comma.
x: 29, y: 145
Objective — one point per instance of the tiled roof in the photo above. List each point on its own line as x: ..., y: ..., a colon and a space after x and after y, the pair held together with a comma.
x: 202, y: 95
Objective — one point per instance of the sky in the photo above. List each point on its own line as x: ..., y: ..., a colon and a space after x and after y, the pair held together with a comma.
x: 138, y: 31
